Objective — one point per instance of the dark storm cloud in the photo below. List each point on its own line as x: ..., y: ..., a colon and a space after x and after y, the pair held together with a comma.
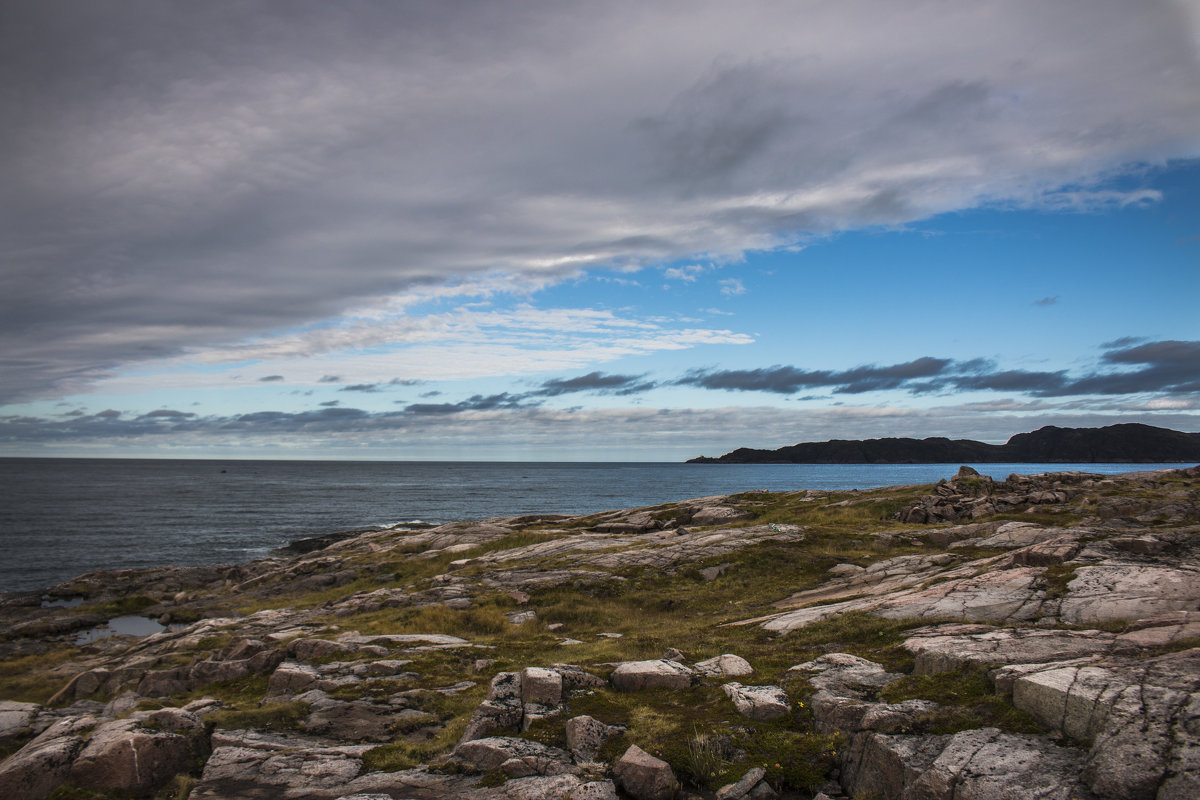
x: 180, y: 174
x: 597, y: 383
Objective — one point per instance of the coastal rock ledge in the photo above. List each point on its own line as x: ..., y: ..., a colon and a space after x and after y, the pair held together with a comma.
x: 1033, y: 636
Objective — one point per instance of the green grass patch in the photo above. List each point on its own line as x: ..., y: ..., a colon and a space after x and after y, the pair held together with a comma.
x: 130, y: 604
x: 26, y: 678
x: 968, y: 701
x: 1056, y: 578
x: 270, y: 717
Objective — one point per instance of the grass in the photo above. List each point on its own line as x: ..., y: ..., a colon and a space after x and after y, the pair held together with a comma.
x: 123, y: 606
x: 269, y: 717
x: 967, y: 701
x: 27, y: 679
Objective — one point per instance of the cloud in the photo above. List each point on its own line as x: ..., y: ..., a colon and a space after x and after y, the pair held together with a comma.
x: 185, y: 175
x: 731, y: 287
x: 330, y: 379
x: 331, y: 403
x: 596, y: 382
x: 687, y: 274
x: 503, y: 401
x: 1171, y: 367
x: 596, y: 434
x: 1047, y: 301
x: 271, y: 378
x: 789, y: 380
x: 360, y: 387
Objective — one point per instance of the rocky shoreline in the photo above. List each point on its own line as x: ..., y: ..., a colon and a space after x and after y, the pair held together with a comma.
x: 1027, y: 637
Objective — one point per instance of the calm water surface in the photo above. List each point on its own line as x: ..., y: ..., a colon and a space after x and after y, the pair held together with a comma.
x: 63, y: 517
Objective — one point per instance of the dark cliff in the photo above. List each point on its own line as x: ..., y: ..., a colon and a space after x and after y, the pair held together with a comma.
x: 1127, y: 442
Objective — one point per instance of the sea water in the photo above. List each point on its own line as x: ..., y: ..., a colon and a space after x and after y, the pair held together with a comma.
x: 62, y: 517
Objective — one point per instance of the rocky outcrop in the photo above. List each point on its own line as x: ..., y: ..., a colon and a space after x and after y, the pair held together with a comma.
x: 1080, y: 620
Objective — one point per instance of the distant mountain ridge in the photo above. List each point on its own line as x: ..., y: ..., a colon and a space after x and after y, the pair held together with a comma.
x: 1125, y: 442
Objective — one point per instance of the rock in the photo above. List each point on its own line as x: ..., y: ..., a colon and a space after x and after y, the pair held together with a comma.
x: 981, y: 764
x: 644, y: 777
x: 759, y: 703
x: 503, y: 709
x: 484, y: 755
x: 1137, y: 716
x: 122, y: 756
x: 720, y: 515
x: 944, y: 648
x: 310, y: 649
x: 989, y: 764
x: 736, y: 791
x: 351, y: 721
x: 1107, y: 592
x: 38, y: 768
x: 16, y: 719
x: 173, y: 720
x: 846, y: 675
x: 724, y: 666
x: 292, y: 677
x: 246, y: 764
x: 594, y: 790
x: 712, y: 573
x: 541, y: 686
x: 632, y: 676
x: 521, y: 617
x: 164, y: 683
x: 586, y: 735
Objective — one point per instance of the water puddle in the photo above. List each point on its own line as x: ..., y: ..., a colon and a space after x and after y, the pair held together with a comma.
x: 123, y: 626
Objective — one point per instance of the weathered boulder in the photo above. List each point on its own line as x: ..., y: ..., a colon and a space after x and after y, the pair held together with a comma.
x: 586, y: 735
x: 724, y: 666
x: 519, y: 758
x: 845, y: 684
x: 38, y: 768
x: 123, y: 756
x: 645, y: 777
x: 292, y: 677
x: 633, y: 676
x: 759, y: 703
x: 748, y: 786
x: 16, y: 719
x: 541, y: 686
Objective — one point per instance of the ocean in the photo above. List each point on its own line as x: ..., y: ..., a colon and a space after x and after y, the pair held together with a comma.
x: 62, y: 517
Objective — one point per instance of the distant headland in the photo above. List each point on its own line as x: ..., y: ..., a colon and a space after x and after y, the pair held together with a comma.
x: 1127, y: 442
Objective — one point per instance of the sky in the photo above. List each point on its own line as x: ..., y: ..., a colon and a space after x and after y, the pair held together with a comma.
x: 578, y: 231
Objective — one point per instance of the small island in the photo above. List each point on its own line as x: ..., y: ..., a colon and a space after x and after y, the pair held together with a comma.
x: 1128, y: 443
